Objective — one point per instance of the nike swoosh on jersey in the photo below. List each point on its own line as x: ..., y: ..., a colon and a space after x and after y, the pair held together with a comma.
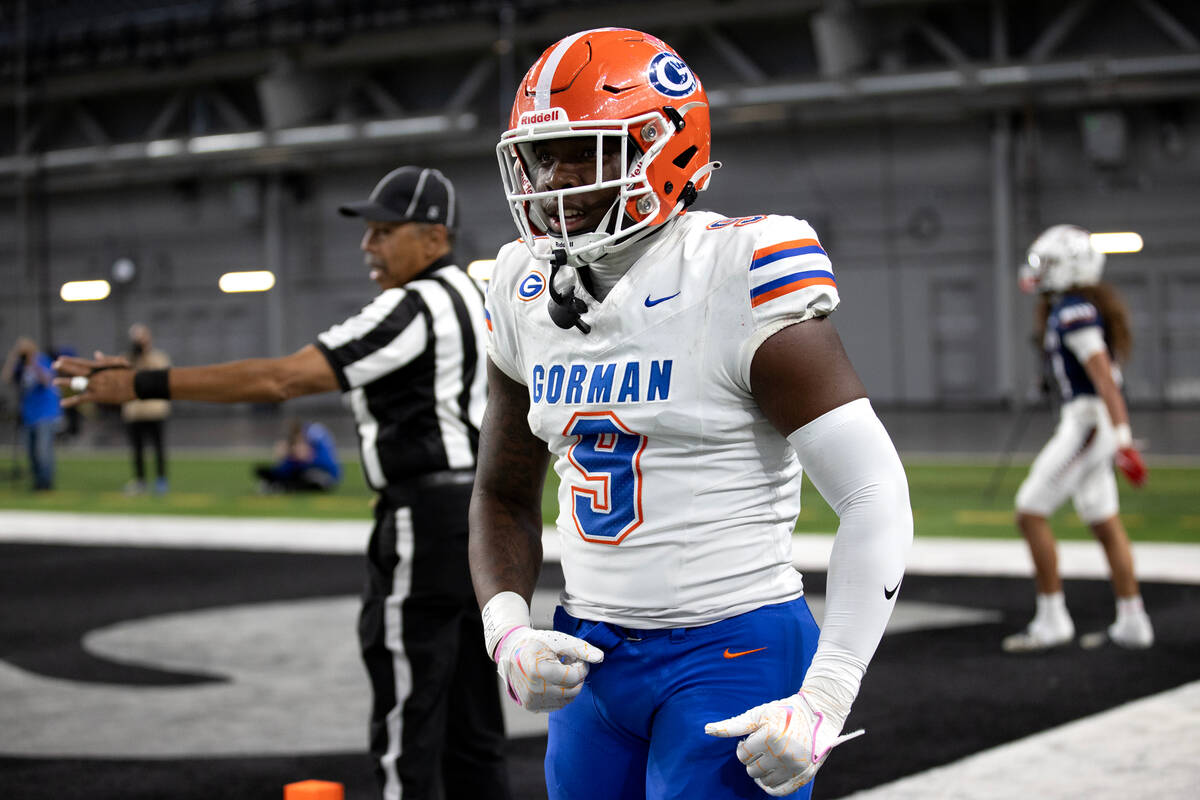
x: 651, y: 303
x: 888, y: 593
x: 728, y: 654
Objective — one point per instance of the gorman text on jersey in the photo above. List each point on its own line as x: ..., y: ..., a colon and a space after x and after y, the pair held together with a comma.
x: 604, y: 383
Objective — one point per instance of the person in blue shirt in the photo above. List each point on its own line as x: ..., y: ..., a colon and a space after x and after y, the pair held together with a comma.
x: 307, y: 461
x: 1085, y: 333
x: 30, y: 369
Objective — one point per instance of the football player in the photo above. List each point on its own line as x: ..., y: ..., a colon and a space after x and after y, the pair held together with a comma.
x: 680, y: 368
x: 1084, y: 329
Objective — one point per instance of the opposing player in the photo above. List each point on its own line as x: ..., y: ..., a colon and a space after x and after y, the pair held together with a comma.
x: 681, y: 368
x: 1084, y: 326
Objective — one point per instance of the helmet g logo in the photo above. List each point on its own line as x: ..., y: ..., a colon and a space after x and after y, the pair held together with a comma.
x: 670, y: 76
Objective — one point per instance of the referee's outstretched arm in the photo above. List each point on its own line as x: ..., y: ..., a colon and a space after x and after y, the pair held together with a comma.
x: 110, y: 379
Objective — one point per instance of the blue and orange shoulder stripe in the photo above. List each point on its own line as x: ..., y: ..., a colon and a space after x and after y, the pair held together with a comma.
x: 785, y: 267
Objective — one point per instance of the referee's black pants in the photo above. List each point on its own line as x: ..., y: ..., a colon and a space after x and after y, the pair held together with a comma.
x: 435, y: 716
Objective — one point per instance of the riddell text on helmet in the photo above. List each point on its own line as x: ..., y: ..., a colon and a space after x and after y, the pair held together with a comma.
x: 538, y: 117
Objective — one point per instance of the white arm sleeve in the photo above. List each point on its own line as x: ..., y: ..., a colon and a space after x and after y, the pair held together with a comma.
x: 1085, y: 342
x: 852, y: 462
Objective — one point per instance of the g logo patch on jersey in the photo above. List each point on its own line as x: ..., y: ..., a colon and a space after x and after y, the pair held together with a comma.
x: 670, y: 76
x: 531, y: 286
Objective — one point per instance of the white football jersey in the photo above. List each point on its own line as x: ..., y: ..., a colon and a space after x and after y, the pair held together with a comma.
x: 677, y: 498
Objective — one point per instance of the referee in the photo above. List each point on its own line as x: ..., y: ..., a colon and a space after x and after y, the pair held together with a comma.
x: 411, y: 366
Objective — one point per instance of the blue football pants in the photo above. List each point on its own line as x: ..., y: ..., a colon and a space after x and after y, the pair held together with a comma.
x: 636, y: 731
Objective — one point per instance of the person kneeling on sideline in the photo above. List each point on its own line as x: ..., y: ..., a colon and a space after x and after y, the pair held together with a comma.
x: 305, y: 461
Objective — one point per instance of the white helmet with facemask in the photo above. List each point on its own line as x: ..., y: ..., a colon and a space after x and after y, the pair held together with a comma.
x: 1062, y: 257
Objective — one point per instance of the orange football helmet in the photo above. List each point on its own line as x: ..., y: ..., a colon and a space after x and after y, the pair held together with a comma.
x: 638, y: 98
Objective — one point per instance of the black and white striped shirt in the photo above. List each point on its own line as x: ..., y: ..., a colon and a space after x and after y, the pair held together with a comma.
x: 411, y: 367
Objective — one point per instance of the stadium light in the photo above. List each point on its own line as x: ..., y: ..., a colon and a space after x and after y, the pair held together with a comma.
x: 124, y: 270
x: 256, y: 280
x: 221, y: 142
x: 164, y: 148
x: 315, y: 134
x: 79, y: 291
x: 416, y: 126
x: 1124, y: 242
x: 481, y: 270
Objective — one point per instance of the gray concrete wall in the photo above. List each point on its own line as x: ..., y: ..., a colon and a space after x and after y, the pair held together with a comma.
x: 905, y: 209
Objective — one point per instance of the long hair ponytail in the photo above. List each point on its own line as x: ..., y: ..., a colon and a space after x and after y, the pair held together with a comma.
x: 1112, y: 308
x: 1104, y: 296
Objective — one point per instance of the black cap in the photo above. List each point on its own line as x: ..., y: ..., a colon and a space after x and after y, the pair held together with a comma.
x: 416, y: 194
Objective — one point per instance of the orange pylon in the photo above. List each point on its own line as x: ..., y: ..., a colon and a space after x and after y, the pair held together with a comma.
x: 314, y: 790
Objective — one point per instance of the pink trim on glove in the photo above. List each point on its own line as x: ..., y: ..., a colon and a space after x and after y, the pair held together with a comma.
x: 813, y: 757
x: 500, y: 643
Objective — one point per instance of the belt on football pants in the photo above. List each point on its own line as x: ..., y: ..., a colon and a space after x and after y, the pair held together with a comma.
x: 405, y: 493
x: 608, y: 636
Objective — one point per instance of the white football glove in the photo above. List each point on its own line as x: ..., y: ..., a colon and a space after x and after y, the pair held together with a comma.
x: 544, y: 670
x: 788, y: 739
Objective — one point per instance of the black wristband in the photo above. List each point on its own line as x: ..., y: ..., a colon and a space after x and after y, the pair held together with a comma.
x: 151, y: 384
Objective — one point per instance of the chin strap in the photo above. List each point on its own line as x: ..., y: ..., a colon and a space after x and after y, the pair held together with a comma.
x: 565, y: 308
x: 688, y: 194
x: 701, y: 175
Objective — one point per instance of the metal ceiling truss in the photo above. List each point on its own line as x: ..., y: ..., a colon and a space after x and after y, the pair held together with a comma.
x: 928, y: 58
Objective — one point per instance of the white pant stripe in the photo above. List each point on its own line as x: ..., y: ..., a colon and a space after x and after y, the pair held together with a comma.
x: 394, y: 638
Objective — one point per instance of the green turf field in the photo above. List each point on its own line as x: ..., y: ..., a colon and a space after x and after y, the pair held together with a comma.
x: 212, y: 486
x: 948, y: 499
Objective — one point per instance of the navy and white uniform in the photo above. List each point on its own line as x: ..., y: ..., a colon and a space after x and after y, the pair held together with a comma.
x: 411, y: 367
x: 677, y: 496
x: 1077, y: 461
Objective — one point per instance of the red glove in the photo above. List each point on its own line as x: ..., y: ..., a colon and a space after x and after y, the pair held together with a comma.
x: 1130, y: 462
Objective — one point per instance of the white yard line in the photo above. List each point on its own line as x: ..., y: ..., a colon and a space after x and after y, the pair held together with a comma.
x: 1156, y: 561
x: 220, y: 533
x: 1145, y: 748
